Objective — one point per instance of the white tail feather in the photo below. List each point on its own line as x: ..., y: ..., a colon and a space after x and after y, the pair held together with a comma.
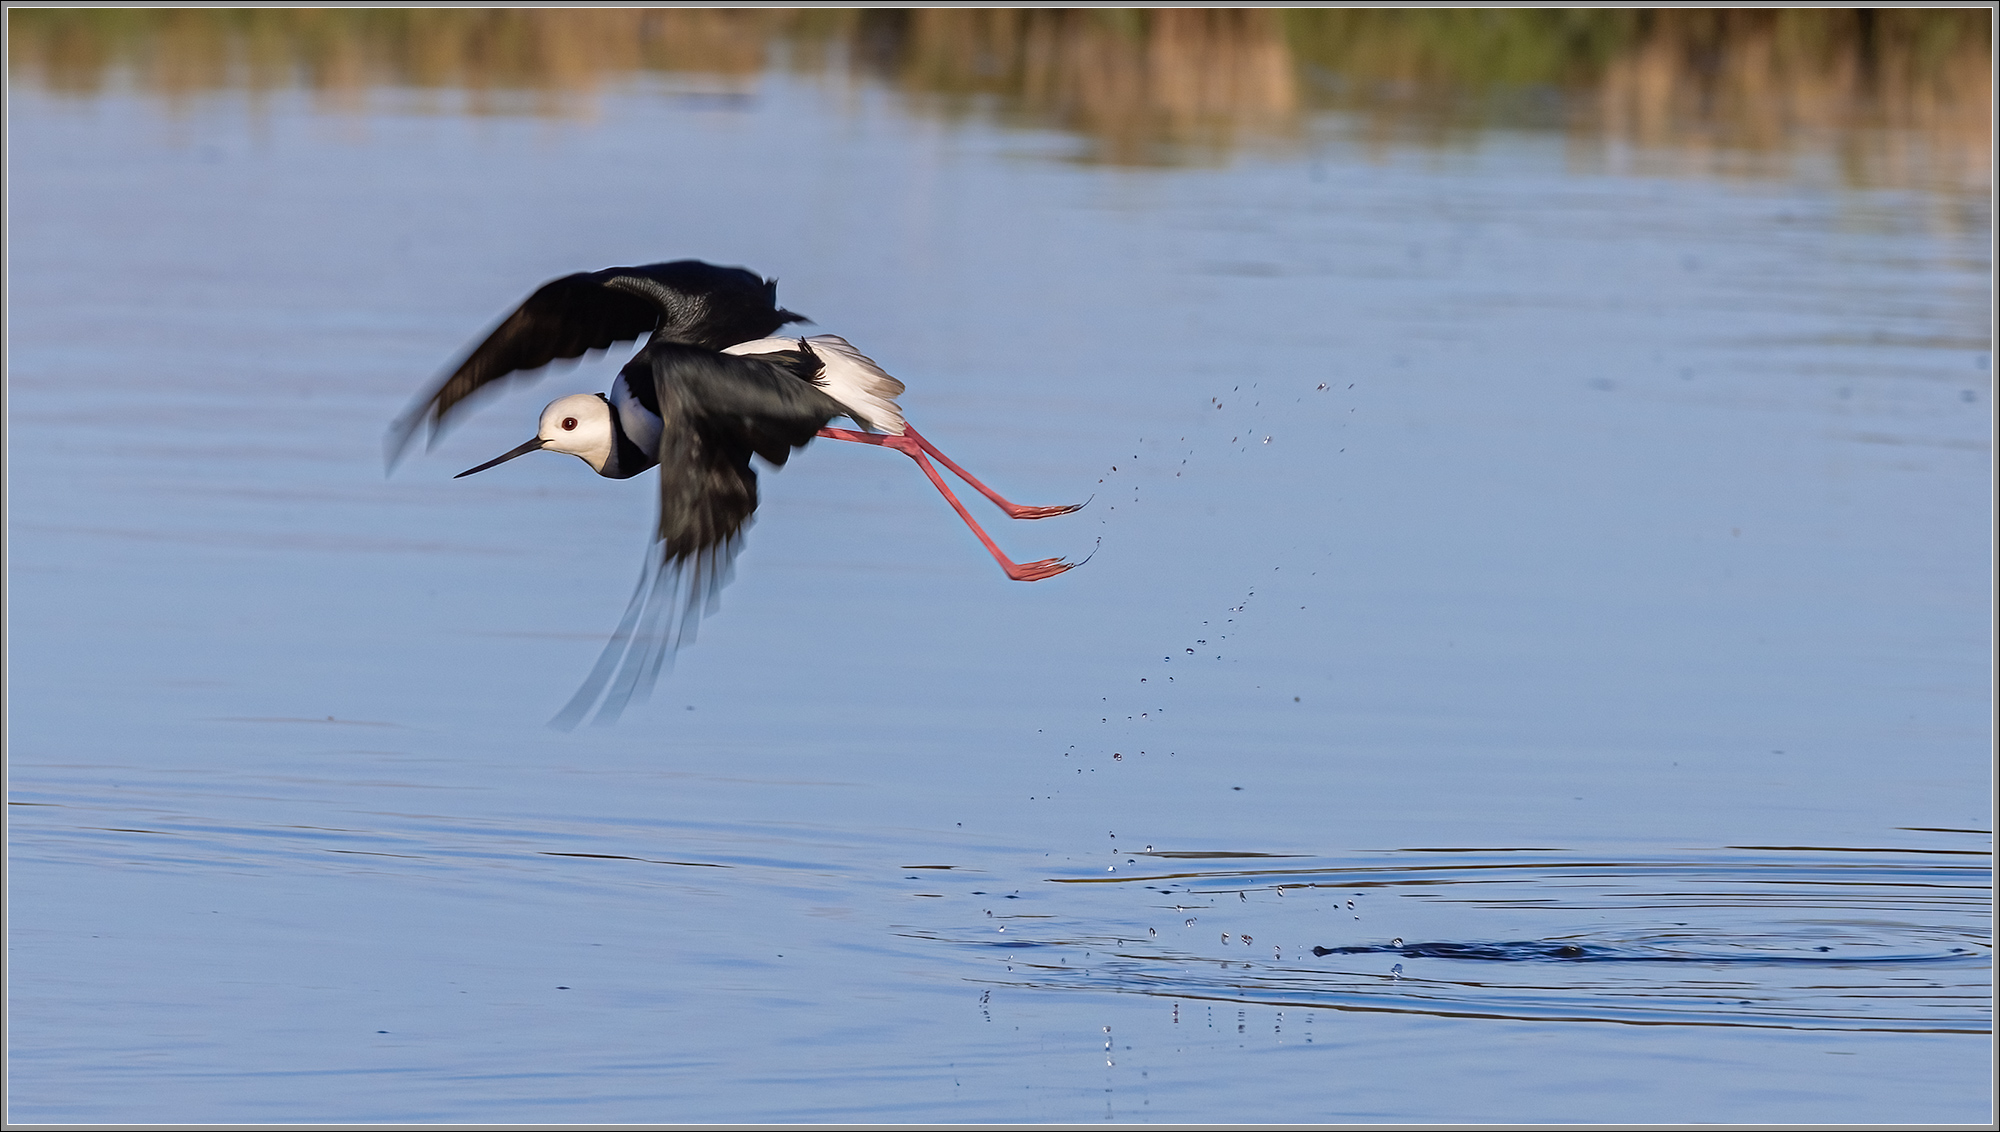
x: 851, y: 378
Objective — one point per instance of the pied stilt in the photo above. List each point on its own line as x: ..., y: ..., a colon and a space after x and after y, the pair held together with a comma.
x: 710, y: 388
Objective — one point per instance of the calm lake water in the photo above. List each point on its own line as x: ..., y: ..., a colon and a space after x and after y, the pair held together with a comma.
x: 1534, y: 664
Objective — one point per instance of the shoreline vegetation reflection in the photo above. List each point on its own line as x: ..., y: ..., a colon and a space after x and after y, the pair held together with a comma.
x: 1885, y: 98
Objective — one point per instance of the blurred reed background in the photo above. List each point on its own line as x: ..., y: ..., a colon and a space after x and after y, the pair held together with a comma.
x: 1888, y: 97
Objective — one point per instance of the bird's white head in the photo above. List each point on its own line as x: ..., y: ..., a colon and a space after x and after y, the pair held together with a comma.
x: 579, y: 424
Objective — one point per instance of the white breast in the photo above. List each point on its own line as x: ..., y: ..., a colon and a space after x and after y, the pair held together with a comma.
x: 641, y: 426
x: 851, y: 378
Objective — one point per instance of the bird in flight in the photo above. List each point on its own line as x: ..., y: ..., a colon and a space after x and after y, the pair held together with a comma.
x: 710, y: 388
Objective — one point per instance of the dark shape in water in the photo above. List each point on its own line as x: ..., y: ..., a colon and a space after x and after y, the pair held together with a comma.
x: 1532, y: 950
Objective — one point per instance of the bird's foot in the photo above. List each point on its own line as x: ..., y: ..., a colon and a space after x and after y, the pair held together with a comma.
x: 1020, y: 511
x: 1036, y: 571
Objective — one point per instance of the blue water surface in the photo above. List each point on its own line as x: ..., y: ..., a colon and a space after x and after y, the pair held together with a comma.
x: 1488, y: 551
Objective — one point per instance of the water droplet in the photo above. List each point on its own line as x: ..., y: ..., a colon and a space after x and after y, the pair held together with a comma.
x: 1396, y: 972
x: 1190, y: 921
x: 1397, y: 942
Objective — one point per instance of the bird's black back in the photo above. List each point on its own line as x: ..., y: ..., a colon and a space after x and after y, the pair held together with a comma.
x: 701, y: 304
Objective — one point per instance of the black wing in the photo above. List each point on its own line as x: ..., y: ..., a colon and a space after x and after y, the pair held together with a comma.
x: 566, y: 318
x: 718, y: 410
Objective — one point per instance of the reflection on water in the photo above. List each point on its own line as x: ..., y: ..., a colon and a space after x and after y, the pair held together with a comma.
x: 1890, y: 96
x: 1838, y: 939
x: 1705, y: 90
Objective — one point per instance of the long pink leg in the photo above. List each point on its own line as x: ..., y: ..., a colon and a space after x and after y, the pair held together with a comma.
x: 1020, y: 572
x: 1014, y: 510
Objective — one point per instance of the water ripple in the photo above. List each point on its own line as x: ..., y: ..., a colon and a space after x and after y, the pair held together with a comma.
x: 1822, y: 938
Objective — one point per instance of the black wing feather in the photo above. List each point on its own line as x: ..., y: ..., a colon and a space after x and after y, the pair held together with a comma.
x: 717, y: 411
x: 565, y: 318
x: 705, y: 305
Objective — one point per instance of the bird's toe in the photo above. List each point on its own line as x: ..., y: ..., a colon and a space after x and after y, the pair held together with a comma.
x: 1017, y: 511
x: 1037, y: 571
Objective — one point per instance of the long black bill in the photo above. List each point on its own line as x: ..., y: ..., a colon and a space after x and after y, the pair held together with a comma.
x: 531, y: 446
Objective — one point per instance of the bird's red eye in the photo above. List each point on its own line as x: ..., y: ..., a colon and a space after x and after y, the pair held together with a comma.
x: 569, y: 424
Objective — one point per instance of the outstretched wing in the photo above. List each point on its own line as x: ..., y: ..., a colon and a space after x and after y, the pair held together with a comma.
x: 717, y: 411
x: 568, y: 317
x: 564, y: 318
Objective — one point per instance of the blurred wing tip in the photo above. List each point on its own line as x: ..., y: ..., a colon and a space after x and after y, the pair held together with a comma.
x: 396, y: 443
x: 403, y: 430
x: 661, y: 618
